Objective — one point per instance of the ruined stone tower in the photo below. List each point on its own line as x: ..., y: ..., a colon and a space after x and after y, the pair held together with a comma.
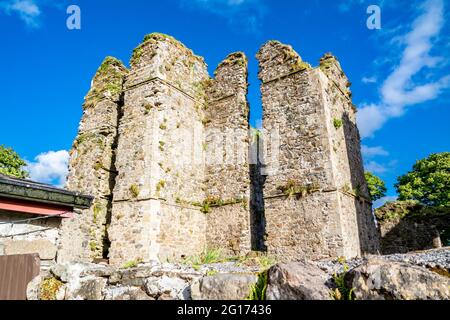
x: 316, y: 198
x: 165, y: 150
x: 92, y: 165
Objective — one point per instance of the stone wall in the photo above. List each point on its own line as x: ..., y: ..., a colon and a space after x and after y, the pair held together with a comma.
x: 37, y: 236
x: 182, y: 233
x: 314, y: 188
x: 165, y: 149
x: 227, y: 157
x: 407, y: 226
x: 92, y: 166
x: 159, y: 155
x: 347, y: 159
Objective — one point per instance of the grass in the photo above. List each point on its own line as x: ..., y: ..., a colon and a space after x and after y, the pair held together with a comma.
x: 160, y: 185
x: 93, y: 245
x: 341, y: 292
x: 211, y: 273
x: 131, y: 264
x: 214, y: 202
x: 337, y: 123
x: 264, y: 262
x: 97, y: 210
x: 258, y: 290
x: 134, y: 189
x: 209, y: 256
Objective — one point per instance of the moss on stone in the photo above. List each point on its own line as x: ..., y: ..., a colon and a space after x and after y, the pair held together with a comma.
x: 300, y: 65
x: 97, y: 209
x: 160, y: 185
x: 337, y: 123
x: 136, y: 56
x: 83, y: 137
x: 294, y: 188
x: 236, y: 58
x: 214, y: 202
x: 108, y: 62
x: 131, y: 264
x: 108, y: 78
x: 98, y: 166
x: 49, y: 289
x: 156, y: 37
x: 327, y: 61
x: 161, y: 146
x: 134, y: 189
x: 114, y: 87
x: 93, y: 245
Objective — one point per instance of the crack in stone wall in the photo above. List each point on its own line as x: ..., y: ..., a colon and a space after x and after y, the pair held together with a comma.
x: 92, y: 166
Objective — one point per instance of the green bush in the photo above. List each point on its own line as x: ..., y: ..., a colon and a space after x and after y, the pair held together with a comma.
x: 11, y: 164
x: 428, y: 182
x: 377, y: 187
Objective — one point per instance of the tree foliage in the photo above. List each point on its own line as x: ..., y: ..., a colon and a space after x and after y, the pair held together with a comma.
x: 377, y: 188
x: 428, y: 182
x: 11, y: 164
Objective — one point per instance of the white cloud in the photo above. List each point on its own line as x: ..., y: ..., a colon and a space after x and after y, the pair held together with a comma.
x: 401, y: 89
x: 370, y: 152
x: 370, y: 119
x: 50, y: 167
x: 27, y: 10
x: 375, y: 167
x: 380, y: 202
x: 369, y: 79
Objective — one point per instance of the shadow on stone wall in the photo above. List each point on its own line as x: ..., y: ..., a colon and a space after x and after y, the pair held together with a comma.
x: 369, y: 239
x: 407, y: 226
x: 257, y: 217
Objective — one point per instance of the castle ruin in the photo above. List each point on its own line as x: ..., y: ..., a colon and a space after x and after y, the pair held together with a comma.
x: 169, y: 156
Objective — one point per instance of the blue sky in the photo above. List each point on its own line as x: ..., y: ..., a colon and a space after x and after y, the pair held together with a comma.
x: 400, y: 73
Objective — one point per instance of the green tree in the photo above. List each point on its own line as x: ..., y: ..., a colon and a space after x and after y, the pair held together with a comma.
x: 428, y: 182
x: 11, y: 164
x: 377, y: 188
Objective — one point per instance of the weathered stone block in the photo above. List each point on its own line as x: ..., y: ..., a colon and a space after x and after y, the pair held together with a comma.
x: 167, y: 287
x: 45, y: 248
x: 126, y: 293
x: 378, y: 279
x: 297, y: 281
x: 88, y: 288
x: 223, y: 287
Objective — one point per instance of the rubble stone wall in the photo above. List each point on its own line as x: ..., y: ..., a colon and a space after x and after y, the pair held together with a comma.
x: 159, y: 156
x: 227, y: 157
x: 166, y: 151
x: 316, y: 179
x: 92, y: 166
x: 37, y: 236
